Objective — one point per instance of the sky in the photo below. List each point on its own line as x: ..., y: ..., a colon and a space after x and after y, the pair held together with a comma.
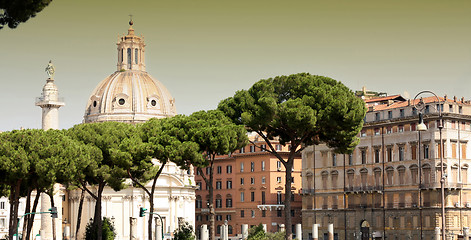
x: 204, y: 51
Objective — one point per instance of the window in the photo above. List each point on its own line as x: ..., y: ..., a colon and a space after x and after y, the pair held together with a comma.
x: 292, y: 213
x: 279, y: 213
x: 278, y: 165
x: 427, y: 109
x: 263, y: 147
x: 426, y: 151
x: 412, y: 127
x: 350, y: 159
x: 242, y: 213
x: 229, y: 184
x: 279, y: 198
x: 229, y: 169
x: 218, y: 185
x: 263, y: 180
x: 389, y: 154
x: 241, y: 181
x: 278, y: 179
x: 2, y: 222
x: 264, y: 213
x: 199, y: 218
x: 208, y: 170
x: 401, y: 112
x: 413, y: 149
x: 2, y: 205
x: 400, y: 128
x: 377, y: 117
x: 229, y: 228
x: 198, y: 202
x: 278, y: 147
x: 450, y: 108
x: 263, y: 165
x: 242, y: 150
x: 363, y: 156
x: 334, y: 159
x: 218, y: 202
x: 377, y: 132
x: 252, y: 180
x: 390, y: 114
x: 401, y: 153
x: 129, y: 58
x: 219, y: 169
x: 229, y: 202
x: 263, y: 197
x: 252, y: 166
x: 388, y: 130
x: 414, y: 111
x: 241, y: 167
x: 241, y: 196
x: 218, y: 217
x: 363, y: 133
x: 377, y: 155
x: 228, y: 217
x: 252, y: 148
x: 135, y: 55
x: 460, y: 109
x: 252, y: 196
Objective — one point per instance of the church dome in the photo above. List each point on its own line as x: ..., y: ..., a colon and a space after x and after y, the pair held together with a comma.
x: 130, y: 94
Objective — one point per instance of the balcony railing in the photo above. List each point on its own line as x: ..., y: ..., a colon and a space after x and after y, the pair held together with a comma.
x: 437, y: 185
x: 363, y: 189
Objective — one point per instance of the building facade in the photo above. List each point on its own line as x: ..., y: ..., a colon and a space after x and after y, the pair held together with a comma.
x: 390, y: 185
x: 249, y: 189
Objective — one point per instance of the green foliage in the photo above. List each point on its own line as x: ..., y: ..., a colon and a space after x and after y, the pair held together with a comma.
x: 108, y: 233
x: 184, y: 232
x: 17, y: 11
x: 215, y: 133
x: 299, y: 109
x: 257, y: 233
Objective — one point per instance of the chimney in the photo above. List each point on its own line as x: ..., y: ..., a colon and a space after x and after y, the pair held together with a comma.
x: 454, y: 98
x: 445, y: 97
x: 408, y: 102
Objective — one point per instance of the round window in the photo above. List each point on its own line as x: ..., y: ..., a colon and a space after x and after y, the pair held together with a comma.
x: 121, y: 101
x: 94, y: 103
x: 153, y: 103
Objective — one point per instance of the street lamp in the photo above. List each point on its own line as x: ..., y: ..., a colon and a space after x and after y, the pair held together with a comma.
x: 420, y: 128
x: 423, y: 127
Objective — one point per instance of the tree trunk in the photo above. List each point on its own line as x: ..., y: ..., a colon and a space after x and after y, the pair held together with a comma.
x: 14, y: 200
x: 79, y: 217
x: 27, y: 210
x: 212, y: 221
x: 31, y: 219
x: 151, y: 210
x: 97, y: 220
x: 51, y: 196
x: 288, y: 220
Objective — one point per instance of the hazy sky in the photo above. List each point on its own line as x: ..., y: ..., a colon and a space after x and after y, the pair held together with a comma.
x: 203, y: 51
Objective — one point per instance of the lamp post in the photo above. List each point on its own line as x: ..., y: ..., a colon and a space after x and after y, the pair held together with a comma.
x: 420, y: 128
x: 420, y: 107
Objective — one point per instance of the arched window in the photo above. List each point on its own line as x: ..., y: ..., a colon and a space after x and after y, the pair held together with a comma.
x: 129, y: 58
x: 229, y: 229
x: 335, y: 176
x: 464, y: 174
x: 402, y: 176
x: 414, y: 169
x: 389, y: 175
x: 364, y: 177
x: 426, y: 173
x: 199, y: 202
x: 218, y: 201
x: 454, y: 173
x: 135, y: 55
x: 228, y: 201
x: 377, y: 173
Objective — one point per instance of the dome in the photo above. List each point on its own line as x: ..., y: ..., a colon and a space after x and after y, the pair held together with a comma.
x: 130, y: 94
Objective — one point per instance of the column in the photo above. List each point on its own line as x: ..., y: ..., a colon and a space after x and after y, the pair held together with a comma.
x: 204, y: 232
x: 315, y: 231
x: 133, y: 228
x: 299, y: 232
x: 330, y: 229
x: 466, y: 233
x: 158, y: 229
x: 264, y: 227
x: 46, y: 222
x: 245, y: 231
x: 437, y: 233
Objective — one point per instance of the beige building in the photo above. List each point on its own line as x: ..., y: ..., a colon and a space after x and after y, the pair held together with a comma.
x: 376, y: 191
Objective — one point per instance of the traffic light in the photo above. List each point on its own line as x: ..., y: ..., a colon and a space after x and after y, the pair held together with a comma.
x: 142, y: 211
x: 53, y: 211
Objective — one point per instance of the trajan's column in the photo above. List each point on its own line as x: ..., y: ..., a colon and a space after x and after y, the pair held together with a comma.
x: 50, y: 104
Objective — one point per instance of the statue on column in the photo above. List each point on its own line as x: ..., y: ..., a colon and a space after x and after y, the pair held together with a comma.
x: 50, y: 70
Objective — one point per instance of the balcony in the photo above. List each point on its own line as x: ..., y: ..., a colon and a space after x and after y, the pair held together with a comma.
x: 437, y: 185
x: 271, y: 207
x: 363, y: 189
